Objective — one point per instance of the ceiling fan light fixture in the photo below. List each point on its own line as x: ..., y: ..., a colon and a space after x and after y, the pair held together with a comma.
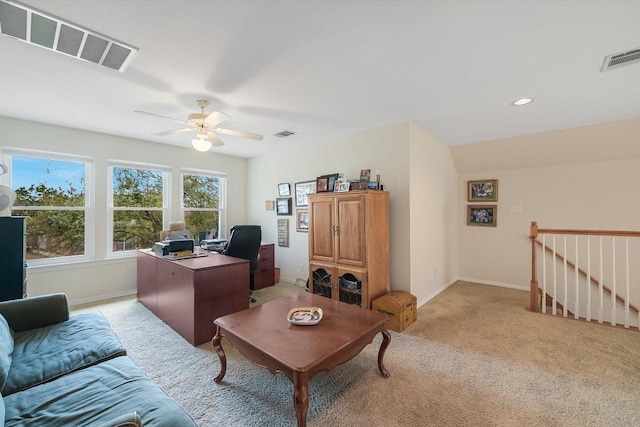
x: 522, y: 101
x: 201, y: 144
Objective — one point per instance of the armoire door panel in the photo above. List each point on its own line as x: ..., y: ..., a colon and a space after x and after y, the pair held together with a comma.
x: 351, y: 231
x: 321, y: 230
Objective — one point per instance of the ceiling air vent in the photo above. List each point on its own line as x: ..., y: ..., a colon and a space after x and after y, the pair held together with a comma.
x: 621, y: 59
x: 39, y: 29
x: 284, y: 134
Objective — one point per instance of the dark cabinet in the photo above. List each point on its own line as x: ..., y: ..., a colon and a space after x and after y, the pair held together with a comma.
x: 264, y: 274
x: 13, y: 264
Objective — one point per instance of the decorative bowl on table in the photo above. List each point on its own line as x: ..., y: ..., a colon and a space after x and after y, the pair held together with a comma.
x: 304, y: 315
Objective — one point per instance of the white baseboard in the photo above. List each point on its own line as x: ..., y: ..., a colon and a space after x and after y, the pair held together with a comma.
x: 500, y: 284
x: 81, y: 301
x: 436, y: 293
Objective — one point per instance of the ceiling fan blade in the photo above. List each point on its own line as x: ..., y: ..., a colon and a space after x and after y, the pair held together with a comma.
x: 215, y: 118
x: 215, y: 141
x: 170, y: 132
x: 239, y: 133
x: 162, y: 117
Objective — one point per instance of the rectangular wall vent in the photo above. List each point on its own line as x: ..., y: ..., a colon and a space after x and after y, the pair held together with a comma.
x: 284, y: 134
x: 621, y: 59
x: 39, y: 29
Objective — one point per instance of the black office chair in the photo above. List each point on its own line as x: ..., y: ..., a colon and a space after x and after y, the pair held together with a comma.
x: 244, y: 242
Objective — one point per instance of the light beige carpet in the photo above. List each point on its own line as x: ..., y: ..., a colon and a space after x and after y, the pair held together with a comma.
x: 475, y: 357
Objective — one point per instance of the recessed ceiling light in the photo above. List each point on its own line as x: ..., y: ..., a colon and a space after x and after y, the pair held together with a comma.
x: 522, y: 101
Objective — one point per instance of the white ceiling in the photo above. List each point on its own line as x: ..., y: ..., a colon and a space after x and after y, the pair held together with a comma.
x: 324, y: 69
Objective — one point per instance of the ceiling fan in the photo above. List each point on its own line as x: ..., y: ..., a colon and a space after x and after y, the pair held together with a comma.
x: 206, y: 127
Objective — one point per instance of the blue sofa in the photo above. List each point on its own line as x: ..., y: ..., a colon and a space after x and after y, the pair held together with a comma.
x: 57, y: 370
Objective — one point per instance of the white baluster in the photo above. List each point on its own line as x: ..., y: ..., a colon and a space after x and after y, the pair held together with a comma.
x: 626, y: 298
x: 555, y: 279
x: 613, y: 285
x: 576, y: 314
x: 588, y: 278
x: 601, y: 307
x: 565, y: 309
x: 544, y: 274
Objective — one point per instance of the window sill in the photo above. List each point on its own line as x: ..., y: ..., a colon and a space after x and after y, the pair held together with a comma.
x: 80, y: 264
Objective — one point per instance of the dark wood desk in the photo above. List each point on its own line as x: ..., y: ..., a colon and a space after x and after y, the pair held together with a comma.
x: 189, y: 294
x: 264, y: 336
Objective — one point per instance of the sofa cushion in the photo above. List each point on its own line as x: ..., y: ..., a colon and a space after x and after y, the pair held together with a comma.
x: 127, y: 420
x: 43, y: 354
x: 2, y: 410
x: 6, y: 348
x: 94, y: 396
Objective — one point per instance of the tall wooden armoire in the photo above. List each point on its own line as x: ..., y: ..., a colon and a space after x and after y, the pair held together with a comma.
x: 349, y: 245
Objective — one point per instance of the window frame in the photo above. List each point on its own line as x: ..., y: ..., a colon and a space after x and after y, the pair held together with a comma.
x: 222, y: 197
x: 8, y: 153
x: 166, y: 201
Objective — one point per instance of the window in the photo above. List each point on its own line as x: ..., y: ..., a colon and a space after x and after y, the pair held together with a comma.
x: 203, y: 202
x: 54, y: 191
x: 138, y: 205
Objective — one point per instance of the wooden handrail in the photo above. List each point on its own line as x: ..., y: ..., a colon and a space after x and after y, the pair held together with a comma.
x: 584, y: 274
x: 614, y: 233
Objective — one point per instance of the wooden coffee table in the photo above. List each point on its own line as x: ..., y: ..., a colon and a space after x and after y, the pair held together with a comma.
x: 264, y: 336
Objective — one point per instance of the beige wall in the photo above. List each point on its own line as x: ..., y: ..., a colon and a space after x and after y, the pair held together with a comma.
x: 433, y: 225
x: 595, y: 195
x: 104, y: 278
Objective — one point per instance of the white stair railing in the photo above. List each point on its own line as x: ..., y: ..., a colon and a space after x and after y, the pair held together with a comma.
x: 572, y: 251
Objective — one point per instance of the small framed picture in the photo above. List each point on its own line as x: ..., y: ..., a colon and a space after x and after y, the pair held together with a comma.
x: 483, y: 191
x: 269, y: 205
x: 283, y: 206
x: 482, y: 215
x: 372, y: 185
x: 302, y: 220
x: 365, y: 175
x: 341, y: 185
x: 322, y: 184
x: 331, y: 181
x: 284, y: 189
x: 302, y: 189
x: 283, y: 232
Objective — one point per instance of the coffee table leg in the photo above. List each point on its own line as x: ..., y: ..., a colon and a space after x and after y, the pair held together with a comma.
x: 301, y: 397
x: 223, y: 358
x: 386, y: 339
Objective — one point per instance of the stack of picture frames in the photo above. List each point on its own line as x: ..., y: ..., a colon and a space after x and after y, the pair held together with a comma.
x: 483, y: 215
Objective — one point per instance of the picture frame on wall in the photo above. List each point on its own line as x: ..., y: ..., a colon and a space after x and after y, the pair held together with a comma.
x: 302, y: 189
x: 283, y: 206
x: 302, y: 220
x: 284, y: 189
x: 482, y: 215
x: 483, y: 190
x: 283, y: 232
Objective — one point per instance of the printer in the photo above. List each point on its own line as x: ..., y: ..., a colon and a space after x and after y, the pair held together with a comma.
x: 166, y: 247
